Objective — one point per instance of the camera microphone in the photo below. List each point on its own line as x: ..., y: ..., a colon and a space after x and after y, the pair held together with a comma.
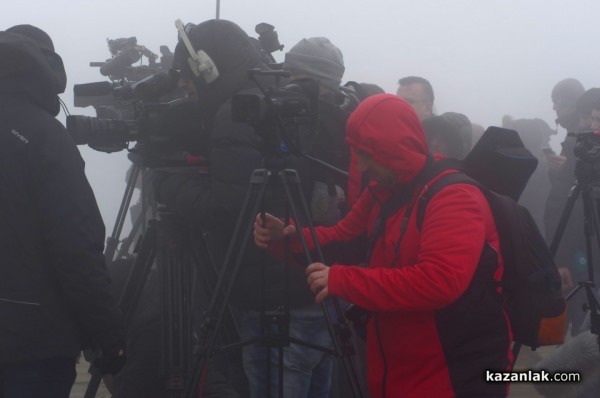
x: 93, y: 94
x: 92, y: 89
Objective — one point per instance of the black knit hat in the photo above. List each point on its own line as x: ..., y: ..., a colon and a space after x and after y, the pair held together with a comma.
x: 36, y: 34
x: 229, y: 48
x: 587, y: 101
x: 567, y: 91
x: 44, y: 43
x: 317, y: 58
x: 223, y: 41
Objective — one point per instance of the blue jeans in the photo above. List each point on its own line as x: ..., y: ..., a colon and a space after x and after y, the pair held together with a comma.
x: 46, y: 378
x: 307, y: 371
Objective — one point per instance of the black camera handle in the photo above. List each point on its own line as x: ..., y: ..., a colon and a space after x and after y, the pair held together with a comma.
x: 341, y: 333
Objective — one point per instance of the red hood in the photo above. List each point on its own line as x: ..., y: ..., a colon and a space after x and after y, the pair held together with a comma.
x: 387, y: 128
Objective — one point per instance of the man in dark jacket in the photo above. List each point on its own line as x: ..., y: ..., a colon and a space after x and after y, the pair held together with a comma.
x: 562, y: 167
x: 54, y: 287
x: 214, y: 202
x: 308, y: 371
x: 438, y: 323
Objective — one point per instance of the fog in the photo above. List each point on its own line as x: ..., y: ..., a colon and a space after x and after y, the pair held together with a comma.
x: 484, y: 58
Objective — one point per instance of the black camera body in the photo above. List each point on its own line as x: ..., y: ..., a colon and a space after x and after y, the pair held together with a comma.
x: 587, y: 154
x: 125, y: 52
x: 157, y: 126
x: 286, y: 117
x: 144, y: 106
x: 587, y: 146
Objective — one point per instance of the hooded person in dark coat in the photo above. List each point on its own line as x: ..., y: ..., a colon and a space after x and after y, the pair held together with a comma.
x: 54, y: 286
x: 535, y: 134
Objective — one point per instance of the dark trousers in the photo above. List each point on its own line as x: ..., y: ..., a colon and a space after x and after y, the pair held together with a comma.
x: 47, y: 378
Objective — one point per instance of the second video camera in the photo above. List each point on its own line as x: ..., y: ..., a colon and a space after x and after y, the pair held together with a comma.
x: 133, y: 112
x: 286, y: 117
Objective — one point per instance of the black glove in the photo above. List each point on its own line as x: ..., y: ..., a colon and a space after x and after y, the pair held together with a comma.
x: 111, y: 361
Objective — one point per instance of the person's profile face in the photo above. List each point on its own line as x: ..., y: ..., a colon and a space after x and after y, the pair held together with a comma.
x: 595, y: 120
x: 187, y: 85
x: 379, y: 173
x: 438, y: 145
x: 415, y: 96
x: 562, y: 107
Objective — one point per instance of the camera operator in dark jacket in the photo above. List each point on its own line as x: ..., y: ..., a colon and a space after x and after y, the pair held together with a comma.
x: 54, y: 287
x: 214, y: 202
x: 571, y: 257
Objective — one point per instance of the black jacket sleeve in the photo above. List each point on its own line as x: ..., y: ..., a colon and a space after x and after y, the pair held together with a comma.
x: 73, y: 233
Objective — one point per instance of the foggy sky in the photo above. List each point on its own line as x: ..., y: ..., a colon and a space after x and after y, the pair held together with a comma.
x: 484, y: 58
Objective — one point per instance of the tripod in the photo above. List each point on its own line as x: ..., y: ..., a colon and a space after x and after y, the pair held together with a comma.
x: 112, y: 243
x: 277, y: 320
x: 588, y: 187
x: 166, y: 244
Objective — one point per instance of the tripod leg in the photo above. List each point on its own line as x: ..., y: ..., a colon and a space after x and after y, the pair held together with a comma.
x: 589, y: 225
x: 129, y: 298
x: 136, y: 281
x: 208, y: 274
x: 591, y: 228
x: 227, y: 276
x: 129, y: 240
x: 113, y: 240
x: 341, y: 334
x: 175, y: 275
x: 564, y: 218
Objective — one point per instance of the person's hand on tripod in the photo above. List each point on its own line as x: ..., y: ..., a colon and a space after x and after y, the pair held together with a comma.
x: 555, y: 162
x: 270, y: 229
x: 318, y: 279
x: 566, y: 279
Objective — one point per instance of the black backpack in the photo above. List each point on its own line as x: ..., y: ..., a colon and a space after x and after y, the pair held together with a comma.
x: 531, y: 284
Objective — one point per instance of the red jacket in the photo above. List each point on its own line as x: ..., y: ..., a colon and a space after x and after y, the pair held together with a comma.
x: 438, y: 321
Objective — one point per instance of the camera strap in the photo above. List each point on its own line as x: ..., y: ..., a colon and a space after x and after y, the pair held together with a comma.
x: 400, y: 198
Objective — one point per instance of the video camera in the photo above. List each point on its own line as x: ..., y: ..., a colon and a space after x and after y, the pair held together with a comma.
x: 286, y: 117
x: 143, y: 106
x: 125, y: 52
x: 587, y: 152
x: 142, y: 103
x: 587, y: 146
x: 152, y: 122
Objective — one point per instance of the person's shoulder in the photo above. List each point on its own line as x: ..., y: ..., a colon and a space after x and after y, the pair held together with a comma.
x: 451, y: 185
x: 34, y: 123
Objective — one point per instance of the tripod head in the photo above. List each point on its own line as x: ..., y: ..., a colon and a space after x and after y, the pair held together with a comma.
x: 587, y: 154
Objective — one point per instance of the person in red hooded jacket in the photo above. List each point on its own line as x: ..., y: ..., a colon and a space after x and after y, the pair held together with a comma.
x: 438, y: 323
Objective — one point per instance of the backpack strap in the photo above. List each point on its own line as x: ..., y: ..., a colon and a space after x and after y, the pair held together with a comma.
x: 399, y: 198
x: 441, y: 183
